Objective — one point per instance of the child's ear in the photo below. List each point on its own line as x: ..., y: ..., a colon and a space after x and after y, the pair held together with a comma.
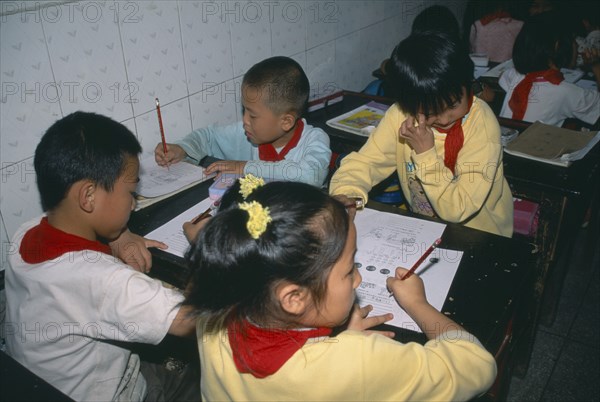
x: 288, y: 121
x: 85, y: 196
x: 294, y: 299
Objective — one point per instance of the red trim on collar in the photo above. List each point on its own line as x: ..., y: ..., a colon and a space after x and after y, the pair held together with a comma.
x: 261, y: 352
x: 44, y: 242
x: 486, y: 19
x: 520, y: 97
x: 267, y: 152
x: 454, y: 140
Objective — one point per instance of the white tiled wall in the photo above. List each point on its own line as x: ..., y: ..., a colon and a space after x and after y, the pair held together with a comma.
x: 115, y: 57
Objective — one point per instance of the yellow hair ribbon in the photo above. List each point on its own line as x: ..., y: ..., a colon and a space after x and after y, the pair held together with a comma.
x: 249, y: 183
x: 258, y: 219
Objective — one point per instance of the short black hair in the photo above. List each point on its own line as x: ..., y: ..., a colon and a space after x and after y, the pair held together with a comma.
x: 283, y: 83
x: 235, y: 274
x: 544, y: 38
x: 429, y: 71
x: 436, y: 18
x: 81, y: 146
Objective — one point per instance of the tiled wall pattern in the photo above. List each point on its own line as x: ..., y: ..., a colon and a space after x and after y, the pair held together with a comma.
x: 115, y: 57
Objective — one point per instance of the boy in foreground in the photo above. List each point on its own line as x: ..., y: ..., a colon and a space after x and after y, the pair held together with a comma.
x: 71, y: 305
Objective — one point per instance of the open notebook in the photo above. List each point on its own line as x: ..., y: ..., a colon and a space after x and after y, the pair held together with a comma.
x: 158, y: 182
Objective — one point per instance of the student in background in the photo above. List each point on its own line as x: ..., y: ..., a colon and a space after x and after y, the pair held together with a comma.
x: 495, y: 32
x: 589, y: 43
x: 274, y: 274
x: 434, y: 18
x: 443, y: 142
x: 71, y: 306
x: 535, y: 87
x: 537, y: 7
x: 272, y: 140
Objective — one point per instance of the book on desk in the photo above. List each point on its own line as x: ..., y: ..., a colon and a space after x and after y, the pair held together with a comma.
x: 362, y: 120
x: 158, y: 182
x: 551, y: 144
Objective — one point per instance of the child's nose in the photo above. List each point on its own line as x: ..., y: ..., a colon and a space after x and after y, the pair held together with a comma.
x: 357, y: 279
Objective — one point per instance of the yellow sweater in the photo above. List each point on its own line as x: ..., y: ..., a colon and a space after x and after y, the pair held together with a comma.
x: 354, y: 366
x: 479, y: 196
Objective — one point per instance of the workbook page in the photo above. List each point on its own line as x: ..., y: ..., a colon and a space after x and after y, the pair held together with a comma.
x: 171, y: 232
x: 386, y: 241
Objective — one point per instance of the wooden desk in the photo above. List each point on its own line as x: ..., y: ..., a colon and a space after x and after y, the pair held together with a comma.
x: 486, y: 295
x: 563, y: 194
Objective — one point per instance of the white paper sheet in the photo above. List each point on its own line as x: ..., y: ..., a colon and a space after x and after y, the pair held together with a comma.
x: 158, y: 180
x: 386, y: 241
x: 171, y: 232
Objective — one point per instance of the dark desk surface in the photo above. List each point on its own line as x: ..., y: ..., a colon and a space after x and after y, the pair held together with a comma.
x: 17, y: 383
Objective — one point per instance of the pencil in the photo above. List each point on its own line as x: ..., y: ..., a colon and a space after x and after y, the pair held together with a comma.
x: 420, y: 260
x: 203, y: 215
x: 160, y: 125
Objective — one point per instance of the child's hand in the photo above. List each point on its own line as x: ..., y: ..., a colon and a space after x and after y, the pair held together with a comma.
x: 360, y: 320
x: 220, y: 167
x: 174, y: 154
x: 132, y: 249
x: 191, y: 229
x: 419, y: 138
x: 409, y: 291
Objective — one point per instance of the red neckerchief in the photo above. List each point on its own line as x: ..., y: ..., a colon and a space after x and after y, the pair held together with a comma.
x: 261, y: 352
x: 454, y: 140
x: 520, y: 96
x: 486, y: 19
x: 44, y: 242
x: 267, y: 152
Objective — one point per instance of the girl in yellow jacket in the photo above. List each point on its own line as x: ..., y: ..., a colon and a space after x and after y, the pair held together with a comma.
x: 274, y: 273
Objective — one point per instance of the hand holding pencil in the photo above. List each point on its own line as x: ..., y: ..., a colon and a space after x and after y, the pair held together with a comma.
x: 166, y: 154
x: 404, y: 274
x: 173, y: 155
x: 193, y: 227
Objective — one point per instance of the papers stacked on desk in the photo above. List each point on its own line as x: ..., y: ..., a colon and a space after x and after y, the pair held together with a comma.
x: 158, y: 182
x: 554, y: 145
x: 386, y: 241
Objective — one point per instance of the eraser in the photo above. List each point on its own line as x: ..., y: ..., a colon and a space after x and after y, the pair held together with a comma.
x: 218, y: 188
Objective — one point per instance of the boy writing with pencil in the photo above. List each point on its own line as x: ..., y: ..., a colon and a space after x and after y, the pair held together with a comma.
x: 72, y: 307
x: 272, y: 141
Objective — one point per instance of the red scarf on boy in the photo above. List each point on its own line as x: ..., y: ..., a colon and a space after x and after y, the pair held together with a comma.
x: 520, y: 96
x: 267, y: 152
x: 44, y: 242
x: 454, y: 140
x: 261, y: 352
